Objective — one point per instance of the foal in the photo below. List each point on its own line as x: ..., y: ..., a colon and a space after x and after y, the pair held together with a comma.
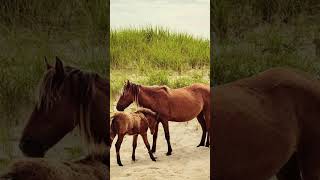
x: 133, y: 124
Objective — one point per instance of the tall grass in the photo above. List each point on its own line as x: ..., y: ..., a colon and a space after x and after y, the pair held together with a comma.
x: 74, y: 30
x: 233, y: 17
x: 258, y: 35
x: 61, y: 13
x: 156, y: 47
x: 156, y: 56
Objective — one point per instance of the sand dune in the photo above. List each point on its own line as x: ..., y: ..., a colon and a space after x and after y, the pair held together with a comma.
x: 186, y: 162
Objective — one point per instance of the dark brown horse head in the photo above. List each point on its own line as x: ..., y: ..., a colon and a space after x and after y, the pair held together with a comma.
x: 64, y: 93
x: 129, y: 95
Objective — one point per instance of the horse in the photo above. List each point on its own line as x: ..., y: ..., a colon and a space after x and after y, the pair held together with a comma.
x: 135, y: 123
x: 267, y: 125
x: 179, y: 105
x: 49, y: 169
x: 67, y: 98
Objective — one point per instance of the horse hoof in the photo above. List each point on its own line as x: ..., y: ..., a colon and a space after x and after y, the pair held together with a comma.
x: 200, y: 145
x: 168, y: 153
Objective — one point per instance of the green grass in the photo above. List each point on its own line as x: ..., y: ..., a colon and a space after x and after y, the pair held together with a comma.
x: 230, y: 18
x: 156, y: 56
x: 156, y: 47
x: 74, y: 30
x: 247, y: 48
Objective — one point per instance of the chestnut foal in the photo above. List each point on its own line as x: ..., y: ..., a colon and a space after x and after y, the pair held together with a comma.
x: 134, y: 123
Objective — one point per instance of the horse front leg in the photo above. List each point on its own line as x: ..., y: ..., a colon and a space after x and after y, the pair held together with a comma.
x: 155, y: 136
x: 118, y: 145
x: 134, y: 146
x: 145, y: 140
x: 165, y: 125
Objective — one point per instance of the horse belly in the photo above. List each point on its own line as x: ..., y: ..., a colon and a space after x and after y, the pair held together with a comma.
x: 247, y: 143
x: 185, y: 108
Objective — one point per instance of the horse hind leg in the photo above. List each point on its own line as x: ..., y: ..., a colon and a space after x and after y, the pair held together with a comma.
x: 134, y: 146
x: 118, y: 145
x: 167, y: 135
x: 207, y: 123
x: 201, y: 120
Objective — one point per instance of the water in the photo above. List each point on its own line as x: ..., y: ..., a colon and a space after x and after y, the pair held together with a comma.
x: 188, y: 16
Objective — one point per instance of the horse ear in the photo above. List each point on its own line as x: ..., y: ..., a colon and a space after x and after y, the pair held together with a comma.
x: 59, y: 67
x: 47, y: 64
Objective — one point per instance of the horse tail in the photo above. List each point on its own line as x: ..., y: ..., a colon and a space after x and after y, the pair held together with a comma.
x: 113, y: 129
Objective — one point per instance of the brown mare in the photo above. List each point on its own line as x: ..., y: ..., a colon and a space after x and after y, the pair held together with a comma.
x: 50, y: 169
x: 133, y: 124
x: 177, y: 105
x: 68, y: 97
x: 265, y: 125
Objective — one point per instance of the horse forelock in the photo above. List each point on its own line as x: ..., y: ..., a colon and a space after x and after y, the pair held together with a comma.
x: 47, y: 93
x: 134, y: 89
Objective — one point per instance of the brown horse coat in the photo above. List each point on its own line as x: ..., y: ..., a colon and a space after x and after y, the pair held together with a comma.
x: 68, y: 98
x: 45, y: 169
x: 261, y: 121
x: 179, y: 105
x: 136, y: 123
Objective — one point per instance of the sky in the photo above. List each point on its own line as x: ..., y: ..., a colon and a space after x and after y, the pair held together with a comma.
x: 188, y: 16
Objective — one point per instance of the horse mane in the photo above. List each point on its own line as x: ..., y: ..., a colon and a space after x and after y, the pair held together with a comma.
x: 134, y: 89
x: 83, y: 87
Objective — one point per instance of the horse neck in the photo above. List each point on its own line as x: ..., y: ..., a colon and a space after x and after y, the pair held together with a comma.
x: 97, y: 112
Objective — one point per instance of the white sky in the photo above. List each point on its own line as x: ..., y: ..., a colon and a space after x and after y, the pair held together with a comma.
x: 189, y: 16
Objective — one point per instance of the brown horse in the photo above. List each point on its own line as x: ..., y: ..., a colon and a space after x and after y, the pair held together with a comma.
x: 177, y: 105
x: 49, y: 169
x: 68, y: 97
x: 266, y: 125
x: 133, y: 124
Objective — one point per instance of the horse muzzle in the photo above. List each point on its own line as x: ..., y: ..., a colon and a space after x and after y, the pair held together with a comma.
x: 32, y: 148
x: 120, y: 108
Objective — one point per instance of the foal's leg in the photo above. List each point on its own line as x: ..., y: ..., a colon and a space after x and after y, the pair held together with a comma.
x: 290, y: 171
x: 134, y: 146
x: 165, y: 125
x: 145, y: 140
x: 118, y: 145
x: 203, y: 127
x: 155, y: 135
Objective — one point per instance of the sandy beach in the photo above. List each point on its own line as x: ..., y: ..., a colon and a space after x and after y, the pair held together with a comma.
x: 186, y: 162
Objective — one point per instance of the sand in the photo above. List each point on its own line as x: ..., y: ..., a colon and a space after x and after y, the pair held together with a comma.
x: 186, y: 162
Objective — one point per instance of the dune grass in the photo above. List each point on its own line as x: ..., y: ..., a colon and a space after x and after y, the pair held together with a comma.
x: 74, y: 30
x: 156, y: 56
x: 281, y: 38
